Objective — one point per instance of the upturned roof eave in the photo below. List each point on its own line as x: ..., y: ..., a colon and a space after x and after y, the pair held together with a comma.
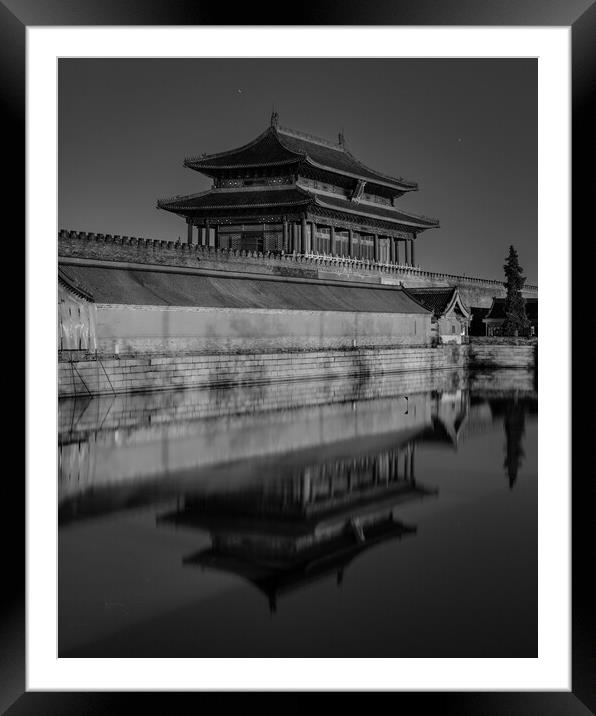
x: 456, y: 300
x: 177, y: 207
x: 212, y: 168
x: 230, y: 152
x: 378, y: 179
x: 379, y: 217
x: 368, y: 175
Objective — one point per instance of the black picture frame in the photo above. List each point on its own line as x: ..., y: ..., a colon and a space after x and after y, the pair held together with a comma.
x: 17, y: 15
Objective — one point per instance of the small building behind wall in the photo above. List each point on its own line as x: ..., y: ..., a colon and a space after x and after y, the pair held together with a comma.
x: 495, y: 317
x: 450, y: 317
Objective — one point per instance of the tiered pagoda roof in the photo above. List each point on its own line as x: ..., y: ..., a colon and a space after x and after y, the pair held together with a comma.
x: 283, y: 146
x: 288, y: 173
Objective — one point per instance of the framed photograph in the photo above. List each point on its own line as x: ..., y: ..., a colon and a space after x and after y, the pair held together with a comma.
x: 282, y: 419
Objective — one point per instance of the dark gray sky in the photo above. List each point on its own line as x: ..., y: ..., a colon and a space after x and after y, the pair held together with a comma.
x: 464, y: 129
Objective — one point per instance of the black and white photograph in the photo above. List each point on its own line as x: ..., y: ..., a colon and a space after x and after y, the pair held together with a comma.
x: 282, y: 384
x: 297, y: 371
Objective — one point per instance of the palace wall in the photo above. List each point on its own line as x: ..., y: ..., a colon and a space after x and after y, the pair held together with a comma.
x: 165, y: 329
x: 475, y: 292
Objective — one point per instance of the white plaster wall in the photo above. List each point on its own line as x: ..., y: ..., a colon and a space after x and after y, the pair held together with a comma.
x: 139, y: 329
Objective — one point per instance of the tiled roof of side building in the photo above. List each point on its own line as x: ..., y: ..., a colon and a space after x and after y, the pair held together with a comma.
x: 286, y: 146
x: 497, y: 310
x: 226, y: 199
x: 435, y: 299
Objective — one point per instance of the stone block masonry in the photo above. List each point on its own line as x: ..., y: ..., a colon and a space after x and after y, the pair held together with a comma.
x: 207, y: 370
x: 502, y: 353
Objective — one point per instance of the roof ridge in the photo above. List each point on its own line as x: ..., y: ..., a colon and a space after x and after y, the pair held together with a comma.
x: 411, y: 296
x: 311, y: 137
x: 341, y: 148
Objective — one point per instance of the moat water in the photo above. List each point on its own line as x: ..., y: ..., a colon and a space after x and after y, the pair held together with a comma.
x: 398, y: 521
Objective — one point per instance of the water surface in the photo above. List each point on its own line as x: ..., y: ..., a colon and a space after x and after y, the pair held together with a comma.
x: 393, y: 518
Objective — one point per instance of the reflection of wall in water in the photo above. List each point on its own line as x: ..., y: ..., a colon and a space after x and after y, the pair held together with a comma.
x: 147, y: 453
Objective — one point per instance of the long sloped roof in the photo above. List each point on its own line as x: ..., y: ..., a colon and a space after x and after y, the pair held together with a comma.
x: 279, y: 146
x: 161, y: 288
x: 69, y: 282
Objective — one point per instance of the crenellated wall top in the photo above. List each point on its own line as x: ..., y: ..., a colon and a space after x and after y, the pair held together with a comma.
x: 164, y: 249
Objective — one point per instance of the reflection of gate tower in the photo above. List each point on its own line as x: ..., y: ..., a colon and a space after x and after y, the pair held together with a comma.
x: 308, y: 524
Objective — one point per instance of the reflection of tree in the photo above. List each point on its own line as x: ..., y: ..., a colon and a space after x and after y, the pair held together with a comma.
x: 514, y: 422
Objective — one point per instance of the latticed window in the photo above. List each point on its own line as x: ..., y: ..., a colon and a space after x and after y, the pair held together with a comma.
x: 322, y: 241
x: 341, y: 243
x: 384, y: 251
x: 367, y: 247
x: 252, y: 241
x: 273, y: 241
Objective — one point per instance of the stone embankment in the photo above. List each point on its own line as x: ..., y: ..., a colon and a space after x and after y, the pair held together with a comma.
x: 90, y: 375
x: 502, y: 353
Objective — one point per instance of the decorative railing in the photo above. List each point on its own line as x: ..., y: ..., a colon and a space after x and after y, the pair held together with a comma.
x: 314, y: 260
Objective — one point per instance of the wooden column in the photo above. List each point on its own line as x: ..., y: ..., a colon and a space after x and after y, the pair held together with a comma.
x: 313, y: 241
x: 396, y: 250
x: 190, y: 227
x: 303, y: 235
x: 412, y: 254
x: 350, y: 242
x: 207, y: 233
x: 285, y: 236
x: 392, y: 250
x: 376, y: 244
x: 216, y: 236
x: 332, y: 239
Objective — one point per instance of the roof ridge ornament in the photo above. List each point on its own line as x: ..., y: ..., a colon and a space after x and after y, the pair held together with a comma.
x: 274, y: 118
x: 358, y: 192
x: 341, y: 140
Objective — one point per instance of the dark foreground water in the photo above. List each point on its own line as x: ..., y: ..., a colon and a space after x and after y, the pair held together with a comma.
x: 398, y: 520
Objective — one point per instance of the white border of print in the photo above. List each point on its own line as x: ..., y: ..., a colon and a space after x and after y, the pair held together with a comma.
x: 551, y: 670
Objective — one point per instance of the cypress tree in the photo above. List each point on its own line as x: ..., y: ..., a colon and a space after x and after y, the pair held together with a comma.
x: 516, y: 321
